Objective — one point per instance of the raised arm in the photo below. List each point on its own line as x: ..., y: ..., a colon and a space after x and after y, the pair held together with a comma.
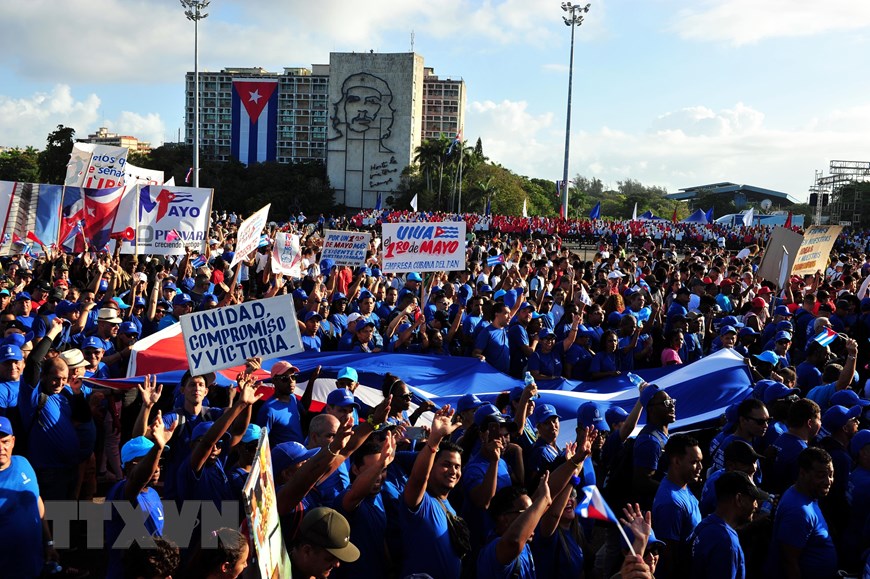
x: 512, y: 543
x: 442, y: 427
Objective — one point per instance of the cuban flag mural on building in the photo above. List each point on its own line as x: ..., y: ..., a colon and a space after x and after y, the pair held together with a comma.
x: 255, y: 120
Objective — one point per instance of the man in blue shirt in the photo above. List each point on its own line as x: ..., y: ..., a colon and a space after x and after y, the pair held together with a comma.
x: 716, y: 550
x: 802, y: 545
x: 21, y: 525
x: 804, y: 422
x: 425, y: 509
x: 491, y: 344
x: 675, y: 511
x: 11, y: 366
x: 508, y: 555
x: 752, y: 421
x: 282, y: 414
x: 650, y: 442
x: 522, y: 345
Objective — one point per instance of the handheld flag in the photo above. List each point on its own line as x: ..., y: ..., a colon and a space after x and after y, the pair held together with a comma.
x: 16, y: 239
x: 826, y: 337
x: 488, y: 206
x: 456, y: 140
x: 596, y: 212
x: 198, y: 262
x: 414, y: 202
x: 494, y: 260
x: 32, y: 237
x: 525, y: 209
x: 593, y: 506
x: 634, y: 213
x: 172, y: 236
x: 378, y: 202
x: 709, y: 215
x: 674, y: 216
x: 788, y: 221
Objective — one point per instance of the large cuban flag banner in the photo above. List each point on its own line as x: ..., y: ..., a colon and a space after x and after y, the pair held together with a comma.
x: 703, y: 389
x: 255, y: 120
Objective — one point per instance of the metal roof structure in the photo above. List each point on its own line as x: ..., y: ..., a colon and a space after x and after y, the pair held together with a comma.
x: 727, y: 188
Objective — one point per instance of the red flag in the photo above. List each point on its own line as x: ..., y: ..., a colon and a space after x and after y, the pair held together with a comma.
x: 674, y: 217
x: 788, y: 221
x: 16, y: 239
x: 32, y: 237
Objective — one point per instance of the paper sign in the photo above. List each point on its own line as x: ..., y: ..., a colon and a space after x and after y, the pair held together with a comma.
x: 422, y: 247
x: 771, y: 261
x: 815, y: 249
x: 96, y: 166
x: 286, y: 256
x: 226, y: 337
x: 169, y: 219
x: 345, y: 247
x: 261, y: 507
x: 248, y: 236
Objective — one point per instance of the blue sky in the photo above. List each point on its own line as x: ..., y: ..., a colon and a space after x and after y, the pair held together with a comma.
x: 667, y: 92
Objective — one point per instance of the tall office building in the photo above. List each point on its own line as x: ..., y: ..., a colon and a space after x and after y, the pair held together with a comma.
x: 363, y: 114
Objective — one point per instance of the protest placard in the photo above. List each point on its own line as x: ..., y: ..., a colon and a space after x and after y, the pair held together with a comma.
x: 225, y: 337
x: 166, y: 219
x: 771, y: 262
x: 248, y: 236
x: 423, y: 247
x: 261, y: 507
x: 815, y: 249
x: 96, y: 166
x: 345, y: 247
x: 286, y: 255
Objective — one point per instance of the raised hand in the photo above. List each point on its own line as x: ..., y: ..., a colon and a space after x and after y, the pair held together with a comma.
x: 150, y: 391
x: 542, y: 493
x: 639, y: 523
x: 585, y: 440
x: 570, y: 450
x: 442, y: 424
x: 159, y: 432
x: 248, y: 391
x: 253, y: 364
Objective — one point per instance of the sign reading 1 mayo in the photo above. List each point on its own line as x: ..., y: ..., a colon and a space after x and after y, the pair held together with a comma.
x: 345, y: 247
x: 423, y: 246
x: 226, y: 337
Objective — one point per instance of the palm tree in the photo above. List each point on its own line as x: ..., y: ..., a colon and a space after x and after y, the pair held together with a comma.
x: 486, y: 189
x: 428, y: 156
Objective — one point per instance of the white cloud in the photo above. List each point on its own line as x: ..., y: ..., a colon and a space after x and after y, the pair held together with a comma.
x: 680, y: 148
x: 560, y: 68
x: 740, y: 22
x: 149, y: 127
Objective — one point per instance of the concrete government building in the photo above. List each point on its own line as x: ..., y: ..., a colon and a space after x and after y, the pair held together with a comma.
x: 363, y: 114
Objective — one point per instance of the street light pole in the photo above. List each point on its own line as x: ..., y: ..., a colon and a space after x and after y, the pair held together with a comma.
x: 575, y: 19
x: 193, y: 10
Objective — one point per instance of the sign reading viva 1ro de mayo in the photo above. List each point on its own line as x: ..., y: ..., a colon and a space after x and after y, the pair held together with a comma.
x: 422, y: 247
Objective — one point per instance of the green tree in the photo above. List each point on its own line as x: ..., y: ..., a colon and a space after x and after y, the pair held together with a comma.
x: 20, y: 165
x: 54, y: 159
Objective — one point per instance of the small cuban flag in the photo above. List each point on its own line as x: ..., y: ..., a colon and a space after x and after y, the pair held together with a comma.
x: 826, y: 337
x: 593, y: 506
x: 495, y: 259
x: 198, y: 262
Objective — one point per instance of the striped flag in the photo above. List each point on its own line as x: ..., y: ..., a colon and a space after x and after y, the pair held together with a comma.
x: 198, y: 262
x: 826, y: 337
x: 32, y: 237
x: 593, y: 506
x: 172, y: 236
x: 596, y: 212
x: 494, y: 260
x: 254, y: 124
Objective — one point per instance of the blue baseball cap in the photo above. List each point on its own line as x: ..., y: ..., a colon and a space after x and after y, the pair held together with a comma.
x: 614, y: 415
x: 139, y: 302
x: 760, y: 387
x: 747, y: 331
x: 589, y: 414
x: 5, y: 426
x: 768, y: 356
x: 252, y: 433
x: 338, y: 296
x: 778, y: 390
x: 300, y: 294
x: 121, y: 303
x: 526, y: 306
x: 498, y: 294
x: 169, y: 286
x: 859, y: 441
x: 785, y: 326
x: 781, y: 311
x: 200, y: 430
x: 22, y: 296
x: 485, y: 289
x: 341, y: 397
x: 129, y: 328
x: 544, y: 412
x: 727, y: 330
x: 489, y: 413
x: 311, y: 315
x: 181, y: 300
x: 376, y: 272
x: 135, y: 448
x: 648, y: 393
x: 783, y: 335
x: 349, y: 373
x: 326, y: 265
x: 10, y: 352
x: 467, y: 402
x: 545, y: 331
x: 93, y: 342
x: 287, y: 454
x: 403, y: 327
x: 848, y: 398
x: 836, y: 417
x: 414, y: 276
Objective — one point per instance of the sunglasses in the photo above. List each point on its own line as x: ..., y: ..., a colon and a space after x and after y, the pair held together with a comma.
x: 668, y: 403
x: 758, y: 421
x: 405, y: 396
x: 286, y: 377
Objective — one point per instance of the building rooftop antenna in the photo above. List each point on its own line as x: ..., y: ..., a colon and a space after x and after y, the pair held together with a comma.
x: 412, y: 41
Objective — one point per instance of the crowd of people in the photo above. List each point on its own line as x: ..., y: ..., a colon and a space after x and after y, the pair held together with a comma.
x: 482, y: 489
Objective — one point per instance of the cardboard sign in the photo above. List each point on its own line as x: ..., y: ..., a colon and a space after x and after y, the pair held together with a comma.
x: 286, y: 255
x: 261, y: 508
x: 345, y: 247
x: 423, y: 247
x: 771, y: 262
x: 248, y: 236
x: 165, y: 219
x: 226, y: 337
x: 815, y: 249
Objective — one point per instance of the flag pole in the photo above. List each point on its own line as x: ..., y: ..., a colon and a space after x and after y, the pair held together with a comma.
x: 625, y: 538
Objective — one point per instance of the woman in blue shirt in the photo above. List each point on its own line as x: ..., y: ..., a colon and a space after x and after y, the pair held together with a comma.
x: 606, y: 363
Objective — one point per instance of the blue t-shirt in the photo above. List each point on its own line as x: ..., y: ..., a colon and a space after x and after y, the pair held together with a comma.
x: 808, y: 376
x: 211, y: 484
x: 858, y: 497
x: 708, y: 501
x: 493, y: 343
x: 427, y: 525
x: 152, y: 513
x: 179, y: 448
x: 716, y: 551
x: 558, y: 556
x: 53, y: 439
x: 547, y: 364
x: 479, y: 522
x: 517, y: 337
x: 799, y: 523
x: 540, y: 455
x: 605, y: 362
x: 20, y: 524
x: 368, y: 525
x: 675, y: 512
x: 821, y: 395
x: 649, y: 445
x: 334, y: 485
x: 282, y: 419
x: 488, y: 567
x: 8, y: 395
x: 784, y: 469
x: 579, y: 359
x: 311, y: 343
